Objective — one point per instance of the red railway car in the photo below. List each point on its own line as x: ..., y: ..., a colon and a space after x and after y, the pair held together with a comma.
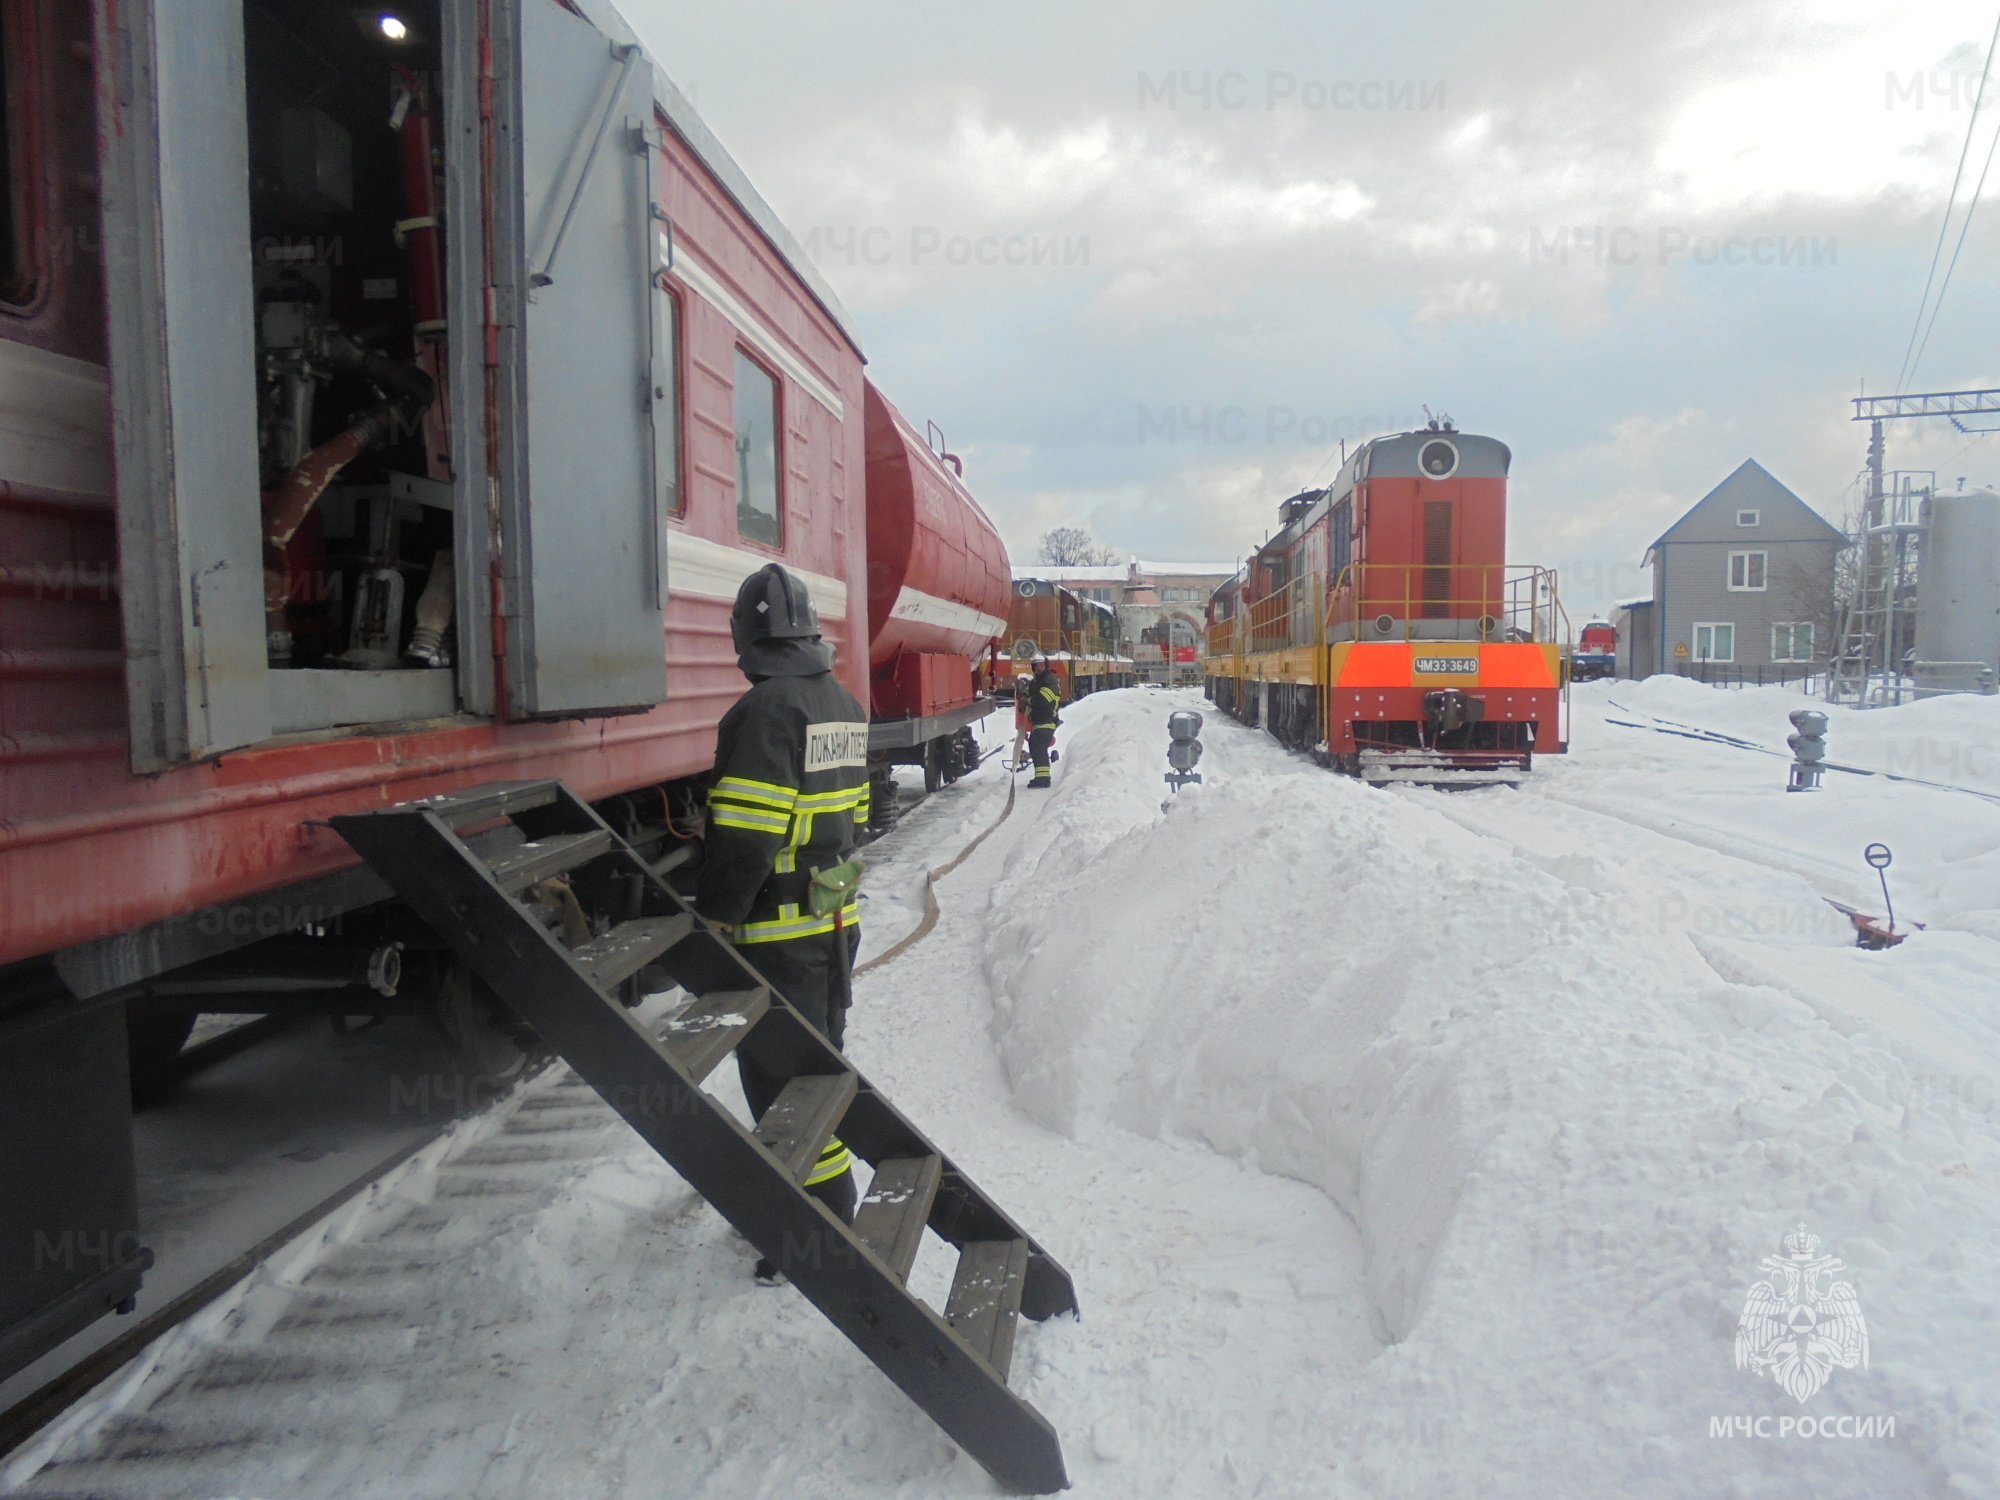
x: 1382, y: 628
x: 388, y: 409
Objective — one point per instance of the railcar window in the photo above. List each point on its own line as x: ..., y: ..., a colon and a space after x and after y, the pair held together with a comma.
x: 756, y: 452
x: 14, y: 262
x: 667, y: 407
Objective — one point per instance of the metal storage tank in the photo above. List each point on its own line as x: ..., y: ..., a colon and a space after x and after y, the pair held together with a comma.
x: 938, y: 577
x: 1958, y: 595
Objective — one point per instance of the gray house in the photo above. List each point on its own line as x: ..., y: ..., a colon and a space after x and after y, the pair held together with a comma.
x: 1743, y: 581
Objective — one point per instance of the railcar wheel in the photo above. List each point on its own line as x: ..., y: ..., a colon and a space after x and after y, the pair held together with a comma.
x: 490, y: 1044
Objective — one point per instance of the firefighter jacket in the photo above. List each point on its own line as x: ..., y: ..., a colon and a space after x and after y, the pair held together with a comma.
x: 791, y: 787
x: 1044, y: 698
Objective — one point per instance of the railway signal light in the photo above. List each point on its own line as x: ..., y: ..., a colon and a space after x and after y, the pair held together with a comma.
x: 1809, y: 749
x: 1183, y: 747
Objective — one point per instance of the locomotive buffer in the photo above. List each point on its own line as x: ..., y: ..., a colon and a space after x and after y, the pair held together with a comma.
x: 953, y: 1366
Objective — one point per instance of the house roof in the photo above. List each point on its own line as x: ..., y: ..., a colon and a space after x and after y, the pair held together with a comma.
x: 1134, y: 572
x: 1108, y: 573
x: 1187, y: 570
x: 1751, y: 486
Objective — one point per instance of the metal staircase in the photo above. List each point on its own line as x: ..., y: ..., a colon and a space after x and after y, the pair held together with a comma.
x: 1875, y: 628
x: 952, y: 1365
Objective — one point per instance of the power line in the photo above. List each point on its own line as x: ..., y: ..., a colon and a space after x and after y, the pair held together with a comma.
x: 1905, y: 370
x: 1964, y: 226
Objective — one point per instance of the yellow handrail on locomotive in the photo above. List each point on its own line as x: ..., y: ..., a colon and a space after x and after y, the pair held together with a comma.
x: 1219, y: 639
x: 1287, y: 617
x: 1515, y: 602
x: 1075, y: 643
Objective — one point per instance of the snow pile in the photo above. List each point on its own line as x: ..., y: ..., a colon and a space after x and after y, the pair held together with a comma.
x: 1401, y: 1143
x: 1946, y: 844
x: 1566, y: 1121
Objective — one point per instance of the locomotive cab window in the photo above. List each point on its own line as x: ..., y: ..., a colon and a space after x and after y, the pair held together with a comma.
x: 757, y: 515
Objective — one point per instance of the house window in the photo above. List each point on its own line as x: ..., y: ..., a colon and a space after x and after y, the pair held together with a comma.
x: 756, y: 452
x: 1715, y: 641
x: 1748, y: 517
x: 1792, y: 642
x: 1746, y: 571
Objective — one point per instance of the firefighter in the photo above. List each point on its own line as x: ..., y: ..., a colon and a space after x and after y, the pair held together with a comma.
x: 1044, y: 695
x: 790, y: 790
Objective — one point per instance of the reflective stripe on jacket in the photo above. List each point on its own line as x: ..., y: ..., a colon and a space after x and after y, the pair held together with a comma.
x: 1044, y: 698
x: 791, y: 787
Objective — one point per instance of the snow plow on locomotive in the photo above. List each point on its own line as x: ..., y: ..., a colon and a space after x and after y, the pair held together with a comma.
x: 391, y: 413
x: 1381, y: 629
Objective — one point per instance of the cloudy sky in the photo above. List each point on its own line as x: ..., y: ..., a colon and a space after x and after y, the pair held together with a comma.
x: 1148, y: 264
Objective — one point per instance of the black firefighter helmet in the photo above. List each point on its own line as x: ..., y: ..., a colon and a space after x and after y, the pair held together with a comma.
x: 775, y: 628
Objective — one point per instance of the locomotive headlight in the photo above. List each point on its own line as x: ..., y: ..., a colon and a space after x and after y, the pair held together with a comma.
x: 1438, y: 459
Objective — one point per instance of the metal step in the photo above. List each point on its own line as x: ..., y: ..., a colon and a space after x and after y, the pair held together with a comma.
x: 985, y: 1299
x: 496, y: 799
x: 803, y: 1118
x: 630, y: 946
x: 953, y: 1367
x: 524, y: 866
x: 892, y: 1217
x: 704, y: 1031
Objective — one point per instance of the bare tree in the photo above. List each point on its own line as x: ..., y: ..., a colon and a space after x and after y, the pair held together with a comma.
x: 1071, y: 547
x: 1815, y: 597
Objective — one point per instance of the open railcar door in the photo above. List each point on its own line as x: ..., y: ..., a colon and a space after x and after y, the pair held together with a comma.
x: 584, y: 551
x: 175, y: 183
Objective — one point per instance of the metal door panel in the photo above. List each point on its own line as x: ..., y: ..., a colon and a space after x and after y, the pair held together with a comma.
x: 175, y: 159
x: 586, y: 594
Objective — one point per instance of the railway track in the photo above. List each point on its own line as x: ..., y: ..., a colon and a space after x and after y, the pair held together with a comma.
x: 277, y: 1158
x: 332, y: 1345
x: 356, y: 1291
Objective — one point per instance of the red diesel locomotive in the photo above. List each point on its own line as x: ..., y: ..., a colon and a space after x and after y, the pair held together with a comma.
x: 388, y: 410
x: 1381, y: 628
x: 1078, y: 636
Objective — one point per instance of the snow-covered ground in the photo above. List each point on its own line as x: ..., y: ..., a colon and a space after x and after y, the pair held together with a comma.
x: 1405, y: 1143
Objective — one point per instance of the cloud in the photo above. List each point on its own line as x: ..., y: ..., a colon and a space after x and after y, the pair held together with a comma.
x: 1639, y: 244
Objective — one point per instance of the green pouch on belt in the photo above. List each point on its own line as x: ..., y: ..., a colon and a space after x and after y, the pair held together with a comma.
x: 833, y: 888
